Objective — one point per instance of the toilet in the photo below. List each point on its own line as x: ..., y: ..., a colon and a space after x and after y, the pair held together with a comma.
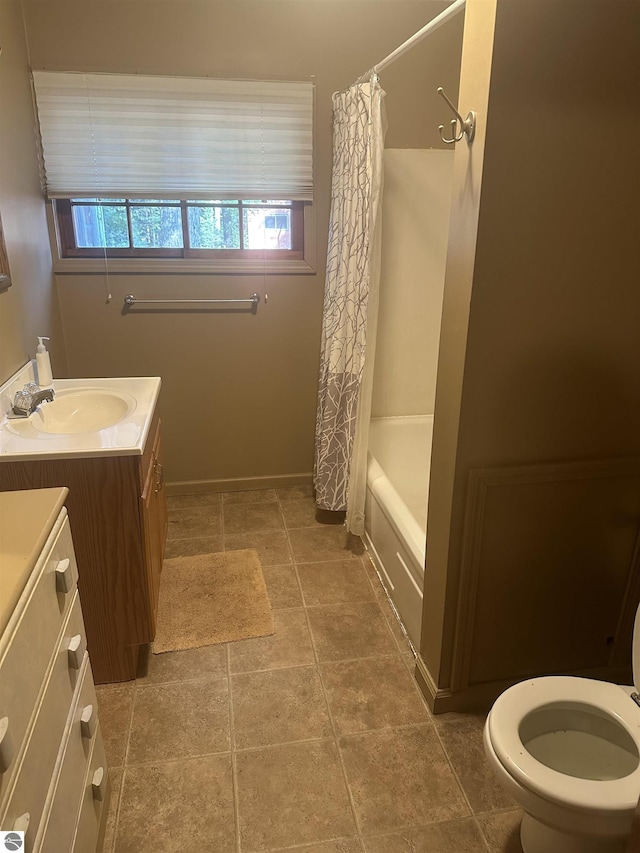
x: 567, y: 749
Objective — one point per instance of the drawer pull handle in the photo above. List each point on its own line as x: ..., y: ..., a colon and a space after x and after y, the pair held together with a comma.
x: 99, y: 784
x: 75, y: 651
x: 88, y: 722
x: 6, y: 745
x: 22, y: 823
x: 64, y: 576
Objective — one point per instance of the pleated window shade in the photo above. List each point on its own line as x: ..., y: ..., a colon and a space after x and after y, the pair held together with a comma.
x: 131, y: 136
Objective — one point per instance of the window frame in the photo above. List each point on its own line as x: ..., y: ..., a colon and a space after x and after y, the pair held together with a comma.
x: 68, y: 250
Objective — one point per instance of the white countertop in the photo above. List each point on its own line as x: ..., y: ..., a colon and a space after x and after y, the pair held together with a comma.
x: 26, y: 519
x: 19, y: 440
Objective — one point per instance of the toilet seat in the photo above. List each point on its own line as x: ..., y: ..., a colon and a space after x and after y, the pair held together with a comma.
x: 606, y: 699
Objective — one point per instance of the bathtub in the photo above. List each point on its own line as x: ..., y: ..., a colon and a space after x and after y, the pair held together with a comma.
x: 398, y: 470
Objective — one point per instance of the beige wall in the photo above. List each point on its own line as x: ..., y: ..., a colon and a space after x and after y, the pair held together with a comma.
x: 29, y: 307
x: 239, y: 392
x: 415, y: 228
x: 440, y: 580
x: 548, y: 368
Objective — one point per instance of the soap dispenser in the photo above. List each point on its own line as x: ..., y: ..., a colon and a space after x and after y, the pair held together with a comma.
x: 43, y: 363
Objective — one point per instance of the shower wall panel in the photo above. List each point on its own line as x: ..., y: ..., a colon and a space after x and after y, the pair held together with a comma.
x: 415, y: 229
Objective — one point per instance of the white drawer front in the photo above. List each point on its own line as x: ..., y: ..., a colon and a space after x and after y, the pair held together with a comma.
x: 58, y: 827
x: 95, y: 801
x: 30, y: 640
x: 33, y: 776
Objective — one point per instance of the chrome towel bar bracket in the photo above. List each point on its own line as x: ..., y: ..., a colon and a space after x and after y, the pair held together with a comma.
x: 131, y: 300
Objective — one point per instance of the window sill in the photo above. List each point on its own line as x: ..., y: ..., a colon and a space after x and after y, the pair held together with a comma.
x: 179, y: 266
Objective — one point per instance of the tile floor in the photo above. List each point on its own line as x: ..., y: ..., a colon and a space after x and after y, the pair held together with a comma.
x: 314, y: 740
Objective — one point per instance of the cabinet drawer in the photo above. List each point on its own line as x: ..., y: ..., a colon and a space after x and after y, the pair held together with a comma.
x: 31, y: 636
x: 58, y: 826
x: 33, y: 775
x: 95, y: 801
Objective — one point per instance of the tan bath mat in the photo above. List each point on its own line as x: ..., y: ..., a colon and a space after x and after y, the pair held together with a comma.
x: 211, y: 598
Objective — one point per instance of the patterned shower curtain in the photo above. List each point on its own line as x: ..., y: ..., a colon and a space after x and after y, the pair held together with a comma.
x: 350, y: 302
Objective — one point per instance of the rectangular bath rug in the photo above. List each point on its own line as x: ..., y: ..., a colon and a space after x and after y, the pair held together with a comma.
x: 211, y: 598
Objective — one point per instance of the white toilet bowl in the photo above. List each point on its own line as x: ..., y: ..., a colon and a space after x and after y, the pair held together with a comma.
x: 567, y: 749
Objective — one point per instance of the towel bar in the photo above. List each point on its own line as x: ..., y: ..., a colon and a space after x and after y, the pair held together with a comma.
x: 130, y: 300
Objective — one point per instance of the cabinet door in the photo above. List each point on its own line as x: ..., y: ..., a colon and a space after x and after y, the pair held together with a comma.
x: 154, y: 526
x: 160, y: 495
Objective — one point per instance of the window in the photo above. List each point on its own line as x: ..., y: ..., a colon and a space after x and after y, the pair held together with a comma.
x: 166, y: 228
x: 178, y: 168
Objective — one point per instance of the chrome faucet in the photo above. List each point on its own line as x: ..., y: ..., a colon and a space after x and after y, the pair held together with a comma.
x: 26, y: 401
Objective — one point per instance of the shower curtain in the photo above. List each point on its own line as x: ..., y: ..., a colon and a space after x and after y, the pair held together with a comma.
x: 350, y: 302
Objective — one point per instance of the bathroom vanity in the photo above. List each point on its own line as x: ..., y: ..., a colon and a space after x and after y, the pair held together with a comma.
x: 117, y: 511
x: 53, y: 771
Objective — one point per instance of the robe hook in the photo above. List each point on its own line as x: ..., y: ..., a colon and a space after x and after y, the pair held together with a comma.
x: 467, y: 125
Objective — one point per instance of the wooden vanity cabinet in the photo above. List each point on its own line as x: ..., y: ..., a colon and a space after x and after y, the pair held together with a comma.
x: 153, y: 513
x: 117, y: 511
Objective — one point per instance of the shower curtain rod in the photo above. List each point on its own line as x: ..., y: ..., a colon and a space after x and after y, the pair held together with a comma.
x: 429, y: 28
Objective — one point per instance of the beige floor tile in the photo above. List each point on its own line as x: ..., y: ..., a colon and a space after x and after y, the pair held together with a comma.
x: 278, y: 706
x: 109, y: 839
x: 206, y: 662
x: 282, y: 586
x: 456, y: 836
x: 114, y: 712
x: 272, y: 547
x: 357, y: 630
x: 463, y: 743
x: 376, y: 583
x: 372, y: 694
x: 185, y: 501
x: 395, y: 627
x: 193, y: 546
x: 249, y: 496
x: 299, y: 513
x: 476, y: 718
x: 179, y: 805
x: 292, y: 794
x: 400, y: 778
x: 193, y: 522
x: 324, y: 542
x: 336, y: 582
x: 502, y: 831
x: 294, y: 493
x: 179, y: 720
x: 252, y: 518
x: 290, y: 645
x: 409, y: 660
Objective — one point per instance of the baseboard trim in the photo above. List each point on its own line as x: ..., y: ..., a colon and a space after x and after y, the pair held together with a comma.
x: 237, y: 484
x: 480, y: 697
x: 425, y: 682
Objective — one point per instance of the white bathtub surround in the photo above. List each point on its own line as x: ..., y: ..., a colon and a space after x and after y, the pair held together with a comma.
x: 396, y: 510
x: 350, y: 303
x: 415, y: 228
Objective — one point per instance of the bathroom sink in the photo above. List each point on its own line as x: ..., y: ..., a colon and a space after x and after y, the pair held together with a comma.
x: 86, y: 410
x: 87, y: 418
